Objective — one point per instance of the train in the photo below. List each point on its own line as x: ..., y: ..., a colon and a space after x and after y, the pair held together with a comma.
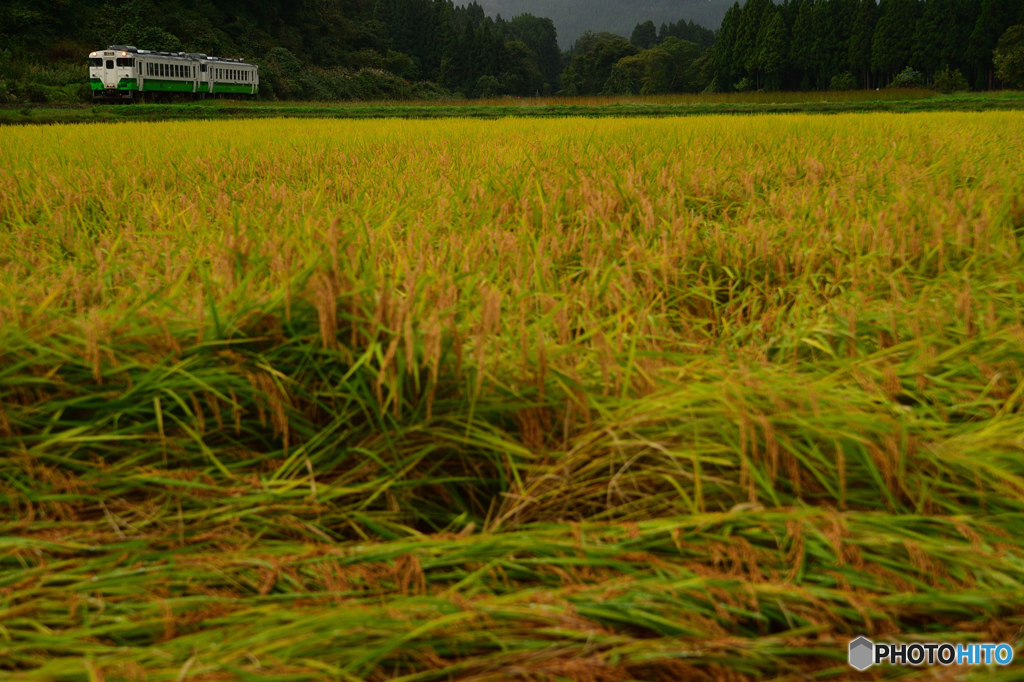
x: 123, y: 73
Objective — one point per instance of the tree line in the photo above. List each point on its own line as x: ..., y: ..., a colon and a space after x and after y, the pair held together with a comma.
x: 845, y: 44
x: 811, y: 45
x: 378, y: 49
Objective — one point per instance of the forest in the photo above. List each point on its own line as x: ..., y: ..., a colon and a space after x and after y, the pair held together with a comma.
x: 435, y: 49
x: 307, y: 49
x: 849, y: 44
x: 949, y: 45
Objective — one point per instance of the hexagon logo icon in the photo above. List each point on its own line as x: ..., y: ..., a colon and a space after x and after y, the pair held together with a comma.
x: 862, y: 653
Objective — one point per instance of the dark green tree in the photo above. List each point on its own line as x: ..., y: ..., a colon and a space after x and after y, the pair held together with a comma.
x: 722, y: 53
x: 745, y: 51
x: 894, y: 36
x: 644, y: 36
x: 802, y: 43
x: 593, y: 58
x: 926, y: 52
x: 861, y: 33
x: 994, y: 18
x: 540, y: 36
x: 773, y: 50
x: 1008, y: 58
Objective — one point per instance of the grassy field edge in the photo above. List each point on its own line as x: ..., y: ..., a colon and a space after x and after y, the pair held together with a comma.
x: 1009, y: 101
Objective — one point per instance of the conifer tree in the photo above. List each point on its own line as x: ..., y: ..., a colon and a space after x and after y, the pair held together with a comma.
x: 644, y: 36
x: 773, y: 49
x: 894, y: 35
x: 802, y: 42
x: 860, y: 41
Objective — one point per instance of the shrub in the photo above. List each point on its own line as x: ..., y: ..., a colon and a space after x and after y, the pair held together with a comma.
x: 488, y: 86
x: 745, y: 85
x: 907, y: 78
x: 843, y: 81
x: 947, y: 81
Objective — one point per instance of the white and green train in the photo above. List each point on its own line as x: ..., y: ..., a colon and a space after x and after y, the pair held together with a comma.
x: 122, y: 73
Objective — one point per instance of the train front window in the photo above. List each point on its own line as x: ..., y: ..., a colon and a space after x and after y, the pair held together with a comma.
x: 126, y: 61
x: 95, y: 61
x: 110, y: 63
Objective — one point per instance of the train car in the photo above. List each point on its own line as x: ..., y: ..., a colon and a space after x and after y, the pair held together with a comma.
x: 122, y: 73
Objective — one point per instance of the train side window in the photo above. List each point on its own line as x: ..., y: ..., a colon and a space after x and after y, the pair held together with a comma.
x: 202, y: 67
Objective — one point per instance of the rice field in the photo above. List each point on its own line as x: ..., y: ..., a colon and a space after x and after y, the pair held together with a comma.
x: 587, y: 400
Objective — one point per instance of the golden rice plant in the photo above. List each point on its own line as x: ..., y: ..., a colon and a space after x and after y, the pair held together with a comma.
x: 570, y: 399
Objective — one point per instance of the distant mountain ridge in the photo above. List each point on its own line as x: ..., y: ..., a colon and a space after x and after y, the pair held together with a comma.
x: 573, y: 17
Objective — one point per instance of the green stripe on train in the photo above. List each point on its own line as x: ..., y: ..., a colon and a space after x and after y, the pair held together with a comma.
x: 157, y: 85
x: 154, y: 85
x: 232, y: 87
